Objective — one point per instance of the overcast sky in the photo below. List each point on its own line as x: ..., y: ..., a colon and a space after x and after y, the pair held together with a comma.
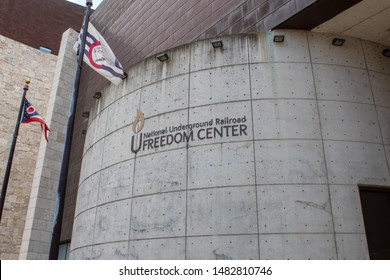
x: 96, y: 3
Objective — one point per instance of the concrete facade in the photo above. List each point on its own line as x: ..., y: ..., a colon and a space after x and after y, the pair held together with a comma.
x: 251, y: 151
x: 138, y: 29
x: 19, y: 62
x: 306, y: 123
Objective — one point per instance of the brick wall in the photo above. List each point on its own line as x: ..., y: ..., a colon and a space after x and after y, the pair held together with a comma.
x: 39, y: 22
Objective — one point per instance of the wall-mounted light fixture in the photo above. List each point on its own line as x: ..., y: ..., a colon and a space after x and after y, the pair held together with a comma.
x: 386, y: 52
x: 338, y: 42
x: 86, y: 115
x: 97, y: 95
x: 278, y: 38
x: 217, y: 44
x: 162, y: 57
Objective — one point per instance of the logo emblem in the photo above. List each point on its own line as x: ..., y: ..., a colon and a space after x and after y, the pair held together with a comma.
x: 139, y: 122
x: 30, y: 110
x: 137, y: 126
x: 95, y: 55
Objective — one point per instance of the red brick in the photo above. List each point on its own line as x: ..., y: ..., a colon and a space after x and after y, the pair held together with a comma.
x: 21, y: 19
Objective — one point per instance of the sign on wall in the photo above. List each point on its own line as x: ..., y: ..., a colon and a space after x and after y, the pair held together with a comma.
x: 213, y: 128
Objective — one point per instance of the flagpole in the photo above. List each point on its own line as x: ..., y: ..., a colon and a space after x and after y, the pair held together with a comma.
x: 12, y: 150
x: 60, y: 201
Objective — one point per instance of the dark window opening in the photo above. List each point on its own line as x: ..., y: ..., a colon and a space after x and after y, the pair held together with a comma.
x: 376, y: 214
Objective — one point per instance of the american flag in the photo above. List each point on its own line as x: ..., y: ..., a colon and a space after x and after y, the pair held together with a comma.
x: 31, y: 115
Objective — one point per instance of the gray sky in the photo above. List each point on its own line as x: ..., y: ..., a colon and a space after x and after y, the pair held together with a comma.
x: 96, y: 3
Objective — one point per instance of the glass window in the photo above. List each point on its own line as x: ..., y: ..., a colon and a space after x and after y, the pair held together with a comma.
x: 45, y: 50
x: 63, y: 252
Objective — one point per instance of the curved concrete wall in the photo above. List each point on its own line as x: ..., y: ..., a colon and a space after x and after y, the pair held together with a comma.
x: 252, y: 151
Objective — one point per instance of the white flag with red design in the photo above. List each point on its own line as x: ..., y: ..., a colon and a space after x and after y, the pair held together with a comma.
x: 99, y: 56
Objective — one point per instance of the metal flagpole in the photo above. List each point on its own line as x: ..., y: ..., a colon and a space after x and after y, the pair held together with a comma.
x: 60, y: 201
x: 12, y: 150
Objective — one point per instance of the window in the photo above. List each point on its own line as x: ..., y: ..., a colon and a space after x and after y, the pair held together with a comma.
x: 45, y: 50
x: 63, y: 252
x: 376, y: 214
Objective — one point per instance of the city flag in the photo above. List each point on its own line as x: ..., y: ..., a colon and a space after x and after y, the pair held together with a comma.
x: 31, y: 115
x: 99, y: 56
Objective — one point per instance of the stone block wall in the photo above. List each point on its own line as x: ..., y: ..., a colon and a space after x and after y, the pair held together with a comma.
x: 19, y: 62
x: 42, y: 204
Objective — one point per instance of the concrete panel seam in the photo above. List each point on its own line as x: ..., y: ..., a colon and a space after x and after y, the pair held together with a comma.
x: 322, y: 142
x: 98, y: 187
x: 342, y: 66
x: 348, y: 102
x: 187, y: 157
x: 376, y: 111
x: 174, y: 237
x: 134, y: 170
x: 254, y: 149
